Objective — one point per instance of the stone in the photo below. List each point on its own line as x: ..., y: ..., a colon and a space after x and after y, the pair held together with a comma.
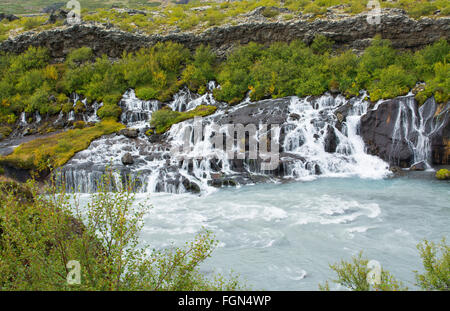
x: 130, y: 133
x: 420, y: 166
x: 294, y: 116
x: 190, y: 186
x: 331, y: 140
x: 127, y: 159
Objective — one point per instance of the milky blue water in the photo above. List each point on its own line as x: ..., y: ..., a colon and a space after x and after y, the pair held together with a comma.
x: 284, y: 236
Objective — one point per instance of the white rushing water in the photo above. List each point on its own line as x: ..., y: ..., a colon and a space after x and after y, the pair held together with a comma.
x: 314, y: 143
x: 315, y: 120
x: 283, y: 237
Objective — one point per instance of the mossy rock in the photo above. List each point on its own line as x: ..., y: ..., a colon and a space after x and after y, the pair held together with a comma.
x: 79, y: 107
x: 79, y: 124
x: 443, y: 174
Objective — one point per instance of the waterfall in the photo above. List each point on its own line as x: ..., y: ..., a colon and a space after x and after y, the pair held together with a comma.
x: 416, y: 127
x: 328, y: 150
x: 23, y: 119
x: 318, y: 136
x: 38, y: 117
x: 135, y: 112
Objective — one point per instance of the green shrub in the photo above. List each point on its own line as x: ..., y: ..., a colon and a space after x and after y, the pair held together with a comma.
x: 79, y: 56
x: 321, y: 44
x: 436, y: 263
x: 79, y: 124
x: 201, y: 71
x: 354, y: 275
x: 146, y: 93
x: 79, y: 107
x: 109, y: 111
x: 5, y: 131
x: 41, y: 233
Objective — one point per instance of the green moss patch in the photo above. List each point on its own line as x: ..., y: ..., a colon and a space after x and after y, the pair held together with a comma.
x: 163, y: 119
x: 56, y: 150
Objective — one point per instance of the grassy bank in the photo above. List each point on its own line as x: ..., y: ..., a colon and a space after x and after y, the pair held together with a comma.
x: 56, y: 150
x: 163, y: 119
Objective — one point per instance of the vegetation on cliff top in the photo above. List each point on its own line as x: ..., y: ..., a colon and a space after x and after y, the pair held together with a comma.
x: 198, y: 15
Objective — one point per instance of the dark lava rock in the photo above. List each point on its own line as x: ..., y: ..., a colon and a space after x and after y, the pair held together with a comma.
x: 420, y: 166
x: 331, y: 140
x: 222, y: 182
x: 130, y: 133
x: 294, y: 116
x: 56, y: 16
x: 352, y: 32
x: 127, y: 159
x: 9, y: 17
x: 28, y: 131
x: 190, y: 186
x: 377, y: 128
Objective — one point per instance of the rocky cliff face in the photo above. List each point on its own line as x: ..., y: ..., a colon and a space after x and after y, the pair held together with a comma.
x: 353, y: 32
x: 403, y: 134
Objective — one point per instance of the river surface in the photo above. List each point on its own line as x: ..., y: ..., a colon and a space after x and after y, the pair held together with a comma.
x: 284, y: 236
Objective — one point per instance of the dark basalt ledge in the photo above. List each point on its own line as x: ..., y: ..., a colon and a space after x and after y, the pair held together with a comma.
x: 351, y: 32
x: 377, y: 128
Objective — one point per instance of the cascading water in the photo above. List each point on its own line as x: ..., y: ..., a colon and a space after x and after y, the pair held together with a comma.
x: 136, y: 112
x: 311, y: 143
x: 326, y: 149
x: 416, y: 127
x: 152, y: 170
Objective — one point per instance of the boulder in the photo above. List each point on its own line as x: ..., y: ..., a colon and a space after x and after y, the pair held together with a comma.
x: 130, y: 133
x: 377, y: 128
x: 190, y: 186
x: 56, y: 16
x: 331, y: 140
x: 127, y: 159
x: 419, y: 166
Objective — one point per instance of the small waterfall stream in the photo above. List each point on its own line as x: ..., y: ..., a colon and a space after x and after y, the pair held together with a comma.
x: 416, y: 127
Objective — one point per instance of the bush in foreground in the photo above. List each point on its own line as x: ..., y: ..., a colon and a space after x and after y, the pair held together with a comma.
x: 357, y: 275
x: 40, y: 233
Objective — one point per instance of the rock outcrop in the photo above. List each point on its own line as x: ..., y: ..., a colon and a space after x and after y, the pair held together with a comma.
x: 352, y: 31
x: 397, y: 131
